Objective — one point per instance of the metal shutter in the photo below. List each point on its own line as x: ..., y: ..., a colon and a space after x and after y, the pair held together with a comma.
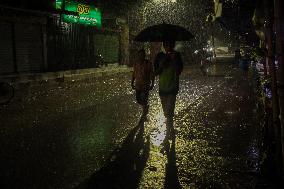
x: 108, y: 47
x: 99, y: 45
x: 6, y: 49
x: 28, y: 47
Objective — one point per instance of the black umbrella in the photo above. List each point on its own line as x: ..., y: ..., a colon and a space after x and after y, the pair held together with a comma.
x: 164, y: 32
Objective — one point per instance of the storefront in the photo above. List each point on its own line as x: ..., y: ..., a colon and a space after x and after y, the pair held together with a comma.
x: 88, y: 38
x: 84, y: 14
x: 22, y: 47
x: 73, y: 37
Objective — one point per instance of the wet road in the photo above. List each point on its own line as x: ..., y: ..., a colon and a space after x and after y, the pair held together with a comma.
x: 88, y: 134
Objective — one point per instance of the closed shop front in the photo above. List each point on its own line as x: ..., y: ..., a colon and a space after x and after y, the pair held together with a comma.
x: 107, y: 46
x: 21, y: 47
x: 6, y: 48
x: 29, y: 48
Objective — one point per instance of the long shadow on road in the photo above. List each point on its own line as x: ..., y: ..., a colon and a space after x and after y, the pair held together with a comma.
x: 171, y: 179
x: 126, y: 164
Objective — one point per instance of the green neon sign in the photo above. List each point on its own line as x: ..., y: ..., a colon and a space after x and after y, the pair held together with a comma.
x: 88, y: 14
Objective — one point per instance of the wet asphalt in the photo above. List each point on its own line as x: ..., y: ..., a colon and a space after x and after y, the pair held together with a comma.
x: 90, y: 134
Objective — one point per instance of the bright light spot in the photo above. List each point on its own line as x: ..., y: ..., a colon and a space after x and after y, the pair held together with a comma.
x: 209, y: 49
x: 229, y: 112
x: 158, y: 136
x: 165, y: 1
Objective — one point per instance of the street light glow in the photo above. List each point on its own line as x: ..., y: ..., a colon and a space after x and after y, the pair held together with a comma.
x: 166, y: 1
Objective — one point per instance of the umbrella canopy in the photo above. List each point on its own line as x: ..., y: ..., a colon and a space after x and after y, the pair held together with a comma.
x: 164, y: 32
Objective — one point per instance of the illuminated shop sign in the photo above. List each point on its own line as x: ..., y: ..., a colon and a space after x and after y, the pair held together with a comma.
x: 87, y: 14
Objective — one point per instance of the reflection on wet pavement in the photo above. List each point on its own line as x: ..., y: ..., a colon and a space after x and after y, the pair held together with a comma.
x: 125, y: 166
x: 89, y: 133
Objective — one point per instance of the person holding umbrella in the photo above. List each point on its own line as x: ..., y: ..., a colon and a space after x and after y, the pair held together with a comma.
x: 168, y: 66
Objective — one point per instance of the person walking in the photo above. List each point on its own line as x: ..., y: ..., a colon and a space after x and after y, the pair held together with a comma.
x: 142, y: 80
x: 168, y: 66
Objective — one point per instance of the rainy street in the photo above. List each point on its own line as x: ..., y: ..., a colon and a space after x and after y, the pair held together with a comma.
x: 88, y: 134
x: 141, y: 94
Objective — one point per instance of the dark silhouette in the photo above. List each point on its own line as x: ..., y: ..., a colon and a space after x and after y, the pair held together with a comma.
x: 171, y: 179
x: 126, y: 164
x: 142, y: 80
x: 168, y: 66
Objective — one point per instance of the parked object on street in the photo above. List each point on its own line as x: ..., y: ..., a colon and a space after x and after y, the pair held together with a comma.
x: 100, y: 61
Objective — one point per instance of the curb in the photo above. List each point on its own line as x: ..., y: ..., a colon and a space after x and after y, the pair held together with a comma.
x: 69, y: 75
x: 75, y: 75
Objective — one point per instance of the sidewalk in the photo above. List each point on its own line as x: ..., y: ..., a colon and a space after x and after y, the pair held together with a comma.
x: 69, y: 75
x: 81, y: 74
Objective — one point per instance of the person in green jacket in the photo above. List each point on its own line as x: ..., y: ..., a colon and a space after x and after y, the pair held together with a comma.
x: 168, y: 66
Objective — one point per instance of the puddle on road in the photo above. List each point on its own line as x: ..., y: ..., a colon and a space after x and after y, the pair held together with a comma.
x: 158, y: 125
x: 199, y: 159
x: 196, y: 159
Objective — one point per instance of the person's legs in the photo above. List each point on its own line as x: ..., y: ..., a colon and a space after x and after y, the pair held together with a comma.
x: 164, y: 102
x: 138, y: 96
x: 168, y: 105
x: 171, y: 105
x: 171, y: 112
x: 144, y: 99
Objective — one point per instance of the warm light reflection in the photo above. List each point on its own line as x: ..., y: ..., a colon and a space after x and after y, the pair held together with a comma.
x: 159, y: 134
x: 166, y: 1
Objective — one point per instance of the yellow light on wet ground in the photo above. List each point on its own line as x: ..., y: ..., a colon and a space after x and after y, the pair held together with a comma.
x: 159, y: 133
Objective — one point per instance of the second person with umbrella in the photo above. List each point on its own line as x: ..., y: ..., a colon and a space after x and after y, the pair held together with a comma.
x: 168, y: 66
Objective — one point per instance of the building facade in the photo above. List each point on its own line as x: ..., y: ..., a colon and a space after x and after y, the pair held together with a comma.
x: 64, y: 35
